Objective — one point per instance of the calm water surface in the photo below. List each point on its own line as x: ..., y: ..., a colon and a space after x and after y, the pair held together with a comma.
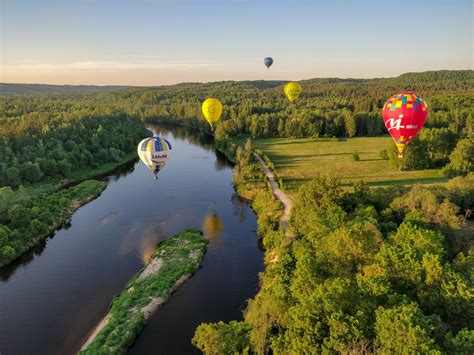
x: 52, y: 297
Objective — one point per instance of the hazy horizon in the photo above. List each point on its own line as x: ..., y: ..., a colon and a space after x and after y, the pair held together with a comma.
x: 154, y: 43
x: 216, y: 81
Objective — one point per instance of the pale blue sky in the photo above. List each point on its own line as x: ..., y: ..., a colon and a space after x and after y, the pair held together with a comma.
x: 144, y: 42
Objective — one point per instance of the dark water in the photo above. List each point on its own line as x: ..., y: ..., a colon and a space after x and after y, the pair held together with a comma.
x: 52, y: 297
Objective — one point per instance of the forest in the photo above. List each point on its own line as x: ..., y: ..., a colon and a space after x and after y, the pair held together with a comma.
x: 31, y: 123
x: 381, y: 270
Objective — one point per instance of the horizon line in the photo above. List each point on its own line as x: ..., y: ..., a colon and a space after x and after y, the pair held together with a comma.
x: 223, y: 81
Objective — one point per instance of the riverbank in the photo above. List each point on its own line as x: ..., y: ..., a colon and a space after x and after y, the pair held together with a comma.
x: 257, y: 185
x: 175, y: 261
x: 35, y: 219
x: 44, y: 188
x: 38, y: 225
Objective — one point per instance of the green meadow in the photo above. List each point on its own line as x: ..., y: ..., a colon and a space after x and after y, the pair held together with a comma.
x: 298, y: 160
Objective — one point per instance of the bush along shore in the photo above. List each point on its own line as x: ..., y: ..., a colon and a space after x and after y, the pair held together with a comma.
x: 175, y: 261
x: 30, y: 220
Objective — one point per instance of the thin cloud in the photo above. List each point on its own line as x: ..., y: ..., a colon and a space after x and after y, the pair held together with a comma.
x: 111, y: 66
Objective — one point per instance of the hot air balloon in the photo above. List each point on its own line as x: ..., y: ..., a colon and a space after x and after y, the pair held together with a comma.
x: 212, y: 110
x: 404, y: 115
x: 292, y: 91
x: 154, y: 152
x: 268, y: 61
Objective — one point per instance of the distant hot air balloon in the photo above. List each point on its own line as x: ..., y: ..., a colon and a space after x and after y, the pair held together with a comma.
x: 404, y: 115
x: 268, y: 62
x: 154, y: 152
x: 292, y: 91
x: 212, y: 110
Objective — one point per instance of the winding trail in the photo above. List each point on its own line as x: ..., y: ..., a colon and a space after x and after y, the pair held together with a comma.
x: 280, y: 195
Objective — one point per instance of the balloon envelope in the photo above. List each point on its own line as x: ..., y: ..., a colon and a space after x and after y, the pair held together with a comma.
x: 154, y: 152
x: 404, y: 115
x: 268, y: 62
x: 212, y: 110
x: 292, y: 91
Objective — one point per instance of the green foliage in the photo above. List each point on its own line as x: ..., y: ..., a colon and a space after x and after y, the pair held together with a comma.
x: 350, y: 124
x: 26, y: 220
x: 369, y: 271
x: 461, y: 160
x: 222, y: 338
x: 355, y: 157
x: 403, y: 329
x: 316, y: 210
x: 421, y: 202
x: 46, y: 139
x: 180, y: 256
x: 462, y: 343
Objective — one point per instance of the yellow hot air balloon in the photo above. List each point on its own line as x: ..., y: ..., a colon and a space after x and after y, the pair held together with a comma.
x: 292, y: 91
x: 212, y: 110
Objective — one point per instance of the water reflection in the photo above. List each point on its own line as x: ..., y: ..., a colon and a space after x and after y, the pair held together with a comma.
x: 9, y: 270
x: 240, y: 208
x: 109, y: 217
x: 212, y: 225
x: 150, y: 235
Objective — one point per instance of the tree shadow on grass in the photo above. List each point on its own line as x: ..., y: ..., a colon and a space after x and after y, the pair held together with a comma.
x: 432, y: 180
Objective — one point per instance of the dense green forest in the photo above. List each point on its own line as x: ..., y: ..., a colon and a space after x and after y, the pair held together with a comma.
x: 365, y: 271
x: 33, y: 123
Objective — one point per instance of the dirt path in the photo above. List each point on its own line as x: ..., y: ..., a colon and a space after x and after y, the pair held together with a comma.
x: 280, y: 195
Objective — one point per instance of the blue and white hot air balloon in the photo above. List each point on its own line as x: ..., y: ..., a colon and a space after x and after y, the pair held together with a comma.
x: 154, y: 152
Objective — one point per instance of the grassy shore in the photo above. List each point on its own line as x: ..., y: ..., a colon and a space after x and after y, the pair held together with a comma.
x: 173, y: 263
x: 47, y: 213
x: 298, y: 160
x: 54, y: 201
x: 46, y: 187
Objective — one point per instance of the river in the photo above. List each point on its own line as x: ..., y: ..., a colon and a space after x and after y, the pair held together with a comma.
x: 53, y: 296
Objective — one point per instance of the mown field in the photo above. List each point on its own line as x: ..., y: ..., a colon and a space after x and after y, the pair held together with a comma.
x: 297, y: 160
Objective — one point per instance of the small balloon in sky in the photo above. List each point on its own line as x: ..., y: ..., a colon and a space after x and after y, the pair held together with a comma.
x: 404, y: 115
x: 212, y: 110
x: 154, y: 152
x: 268, y: 61
x: 292, y: 91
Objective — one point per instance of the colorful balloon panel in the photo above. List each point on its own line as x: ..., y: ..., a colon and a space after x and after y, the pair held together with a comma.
x: 212, y: 110
x: 404, y: 115
x: 293, y: 90
x: 154, y: 152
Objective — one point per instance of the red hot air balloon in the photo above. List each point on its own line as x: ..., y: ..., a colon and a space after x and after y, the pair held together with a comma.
x: 404, y: 115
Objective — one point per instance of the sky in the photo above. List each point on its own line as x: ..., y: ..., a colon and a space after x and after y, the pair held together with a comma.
x: 145, y: 42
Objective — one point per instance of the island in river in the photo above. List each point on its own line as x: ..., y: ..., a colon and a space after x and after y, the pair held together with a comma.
x: 175, y: 261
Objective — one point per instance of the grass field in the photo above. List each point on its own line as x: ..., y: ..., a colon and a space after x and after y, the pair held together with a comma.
x: 298, y: 160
